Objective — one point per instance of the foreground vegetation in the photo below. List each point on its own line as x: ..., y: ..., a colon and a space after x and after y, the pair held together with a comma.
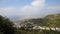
x: 6, y: 26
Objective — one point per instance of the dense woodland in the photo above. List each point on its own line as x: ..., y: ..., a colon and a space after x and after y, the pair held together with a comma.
x: 7, y: 27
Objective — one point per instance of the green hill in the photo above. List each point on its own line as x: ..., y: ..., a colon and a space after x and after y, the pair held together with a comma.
x: 50, y: 20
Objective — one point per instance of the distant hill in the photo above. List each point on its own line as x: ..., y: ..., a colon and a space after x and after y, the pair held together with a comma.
x: 53, y: 16
x: 50, y: 20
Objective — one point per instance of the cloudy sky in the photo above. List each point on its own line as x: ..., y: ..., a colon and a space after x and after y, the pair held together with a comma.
x: 37, y: 8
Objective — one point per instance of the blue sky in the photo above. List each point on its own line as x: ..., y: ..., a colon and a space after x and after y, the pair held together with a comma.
x: 36, y: 8
x: 15, y: 3
x: 19, y: 3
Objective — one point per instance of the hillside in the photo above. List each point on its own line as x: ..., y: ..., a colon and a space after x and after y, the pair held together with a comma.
x: 53, y: 16
x: 50, y: 20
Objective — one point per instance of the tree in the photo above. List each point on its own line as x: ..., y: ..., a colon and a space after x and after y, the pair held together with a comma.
x: 6, y: 26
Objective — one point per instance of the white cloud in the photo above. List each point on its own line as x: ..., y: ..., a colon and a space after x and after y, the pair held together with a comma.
x: 53, y: 8
x: 38, y: 3
x: 7, y: 11
x: 33, y: 8
x: 38, y: 8
x: 29, y: 10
